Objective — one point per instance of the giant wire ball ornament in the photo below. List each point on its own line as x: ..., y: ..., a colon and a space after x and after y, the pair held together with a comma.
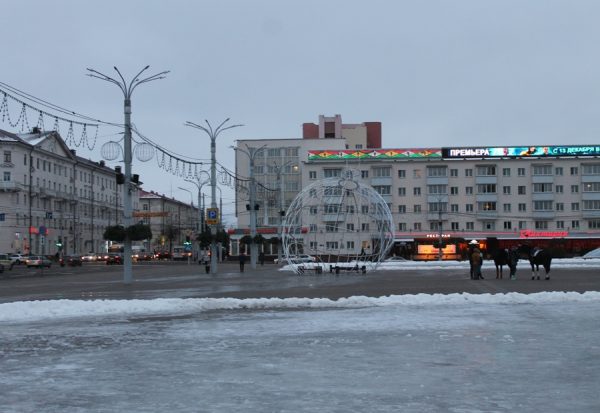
x: 111, y: 150
x: 340, y: 221
x: 144, y: 151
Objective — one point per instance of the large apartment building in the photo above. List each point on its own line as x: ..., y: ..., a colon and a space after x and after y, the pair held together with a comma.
x: 547, y: 195
x: 51, y: 196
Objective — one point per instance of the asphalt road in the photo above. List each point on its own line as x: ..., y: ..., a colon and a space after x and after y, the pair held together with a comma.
x: 181, y: 280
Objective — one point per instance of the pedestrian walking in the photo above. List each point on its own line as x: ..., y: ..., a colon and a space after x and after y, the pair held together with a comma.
x: 472, y: 246
x: 477, y: 262
x: 242, y: 261
x: 261, y: 258
x: 513, y: 258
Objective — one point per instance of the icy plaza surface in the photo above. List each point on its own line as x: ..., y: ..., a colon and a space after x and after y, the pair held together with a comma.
x: 456, y: 353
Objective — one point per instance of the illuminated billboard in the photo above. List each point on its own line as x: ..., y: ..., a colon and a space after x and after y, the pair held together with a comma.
x: 521, y: 151
x: 351, y: 154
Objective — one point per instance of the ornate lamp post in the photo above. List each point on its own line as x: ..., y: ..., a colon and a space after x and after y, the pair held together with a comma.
x: 213, y: 133
x: 127, y: 89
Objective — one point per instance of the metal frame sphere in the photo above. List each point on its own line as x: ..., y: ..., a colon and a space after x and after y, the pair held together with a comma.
x: 342, y: 222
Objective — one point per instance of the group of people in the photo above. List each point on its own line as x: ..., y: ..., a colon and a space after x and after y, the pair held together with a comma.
x: 476, y: 261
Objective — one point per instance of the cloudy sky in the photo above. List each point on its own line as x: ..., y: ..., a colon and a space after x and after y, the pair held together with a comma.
x: 433, y: 72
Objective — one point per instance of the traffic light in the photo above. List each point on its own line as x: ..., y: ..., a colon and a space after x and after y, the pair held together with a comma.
x: 187, y: 240
x: 120, y: 177
x: 59, y: 244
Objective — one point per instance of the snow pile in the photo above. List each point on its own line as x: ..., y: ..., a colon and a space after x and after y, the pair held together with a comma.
x: 40, y: 310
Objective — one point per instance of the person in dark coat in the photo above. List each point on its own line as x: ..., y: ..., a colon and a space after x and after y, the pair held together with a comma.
x: 261, y: 258
x: 242, y: 261
x: 513, y: 258
x: 477, y: 261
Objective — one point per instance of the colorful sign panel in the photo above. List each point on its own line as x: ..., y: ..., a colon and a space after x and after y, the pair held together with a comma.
x: 520, y: 151
x: 367, y: 154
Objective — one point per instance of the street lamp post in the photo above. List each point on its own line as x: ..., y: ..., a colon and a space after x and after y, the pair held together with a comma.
x: 191, y: 216
x: 127, y: 90
x: 251, y: 153
x: 213, y: 133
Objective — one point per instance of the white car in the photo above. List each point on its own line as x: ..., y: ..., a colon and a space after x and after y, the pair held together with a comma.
x: 18, y: 258
x: 592, y: 254
x: 296, y: 259
x: 38, y: 261
x: 395, y: 259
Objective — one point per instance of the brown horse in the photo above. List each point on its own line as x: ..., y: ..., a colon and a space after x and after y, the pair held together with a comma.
x: 537, y: 257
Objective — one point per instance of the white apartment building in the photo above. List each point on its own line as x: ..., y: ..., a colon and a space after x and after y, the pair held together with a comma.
x: 49, y: 195
x: 548, y: 195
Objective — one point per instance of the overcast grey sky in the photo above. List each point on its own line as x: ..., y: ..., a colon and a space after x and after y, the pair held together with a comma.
x: 435, y: 73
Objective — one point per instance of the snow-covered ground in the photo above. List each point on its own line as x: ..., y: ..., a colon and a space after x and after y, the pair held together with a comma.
x: 437, y: 265
x: 414, y: 353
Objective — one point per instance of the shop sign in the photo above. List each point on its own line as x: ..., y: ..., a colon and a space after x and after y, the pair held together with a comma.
x: 528, y: 233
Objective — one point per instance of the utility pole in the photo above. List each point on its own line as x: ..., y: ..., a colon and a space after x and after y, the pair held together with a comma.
x: 213, y: 133
x: 127, y: 90
x: 440, y: 229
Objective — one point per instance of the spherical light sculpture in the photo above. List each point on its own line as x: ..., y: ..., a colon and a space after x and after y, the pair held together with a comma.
x: 111, y: 150
x: 343, y: 223
x: 144, y: 151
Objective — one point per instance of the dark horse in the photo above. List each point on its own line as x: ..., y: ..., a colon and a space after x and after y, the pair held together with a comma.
x: 537, y: 257
x: 500, y: 257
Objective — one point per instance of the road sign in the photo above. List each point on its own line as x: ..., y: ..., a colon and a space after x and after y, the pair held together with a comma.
x: 212, y: 216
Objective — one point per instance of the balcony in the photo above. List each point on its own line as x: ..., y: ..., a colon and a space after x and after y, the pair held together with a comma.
x: 486, y: 215
x: 435, y: 216
x: 47, y: 193
x: 543, y: 214
x: 590, y: 213
x: 11, y: 186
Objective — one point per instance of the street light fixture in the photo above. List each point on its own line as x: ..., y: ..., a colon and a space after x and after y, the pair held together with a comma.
x: 251, y: 153
x: 127, y: 89
x: 213, y: 133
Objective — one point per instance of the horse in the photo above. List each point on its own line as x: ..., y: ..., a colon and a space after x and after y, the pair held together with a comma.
x: 537, y: 257
x: 500, y: 257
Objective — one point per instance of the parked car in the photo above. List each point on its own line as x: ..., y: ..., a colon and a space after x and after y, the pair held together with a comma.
x: 38, y: 261
x: 592, y: 254
x: 71, y: 260
x: 101, y: 256
x: 296, y: 259
x: 89, y: 257
x: 114, y: 258
x: 163, y: 255
x: 395, y: 259
x: 18, y: 258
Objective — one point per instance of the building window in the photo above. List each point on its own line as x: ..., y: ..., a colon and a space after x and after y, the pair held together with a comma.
x: 507, y: 225
x: 574, y: 170
x: 417, y: 191
x: 468, y: 172
x: 364, y: 174
x: 437, y: 207
x: 453, y: 190
x: 505, y: 171
x: 402, y: 209
x: 486, y: 188
x: 542, y: 205
x: 332, y: 173
x: 331, y: 227
x: 558, y: 189
x: 486, y: 170
x: 522, y: 207
x: 384, y: 172
x: 591, y: 205
x: 506, y: 190
x: 574, y: 206
x: 522, y: 224
x: 521, y: 190
x: 364, y: 209
x: 541, y: 224
x: 401, y: 226
x: 594, y: 224
x: 575, y: 224
x: 401, y: 173
x: 7, y: 157
x: 542, y: 188
x: 417, y: 226
x: 591, y: 187
x: 560, y: 224
x: 271, y: 152
x: 558, y: 170
x: 350, y: 227
x: 383, y: 189
x: 437, y: 189
x: 401, y: 191
x: 469, y: 190
x: 486, y: 206
x: 469, y: 207
x: 454, y: 207
x: 506, y: 207
x: 470, y: 226
x: 574, y: 189
x: 437, y: 171
x: 350, y: 245
x: 312, y: 228
x: 488, y: 225
x: 417, y: 209
x: 454, y: 226
x: 312, y: 245
x: 454, y: 172
x: 314, y: 210
x: 331, y: 245
x: 6, y: 176
x: 331, y: 208
x: 364, y: 226
x: 434, y: 226
x: 591, y: 169
x: 350, y: 209
x: 542, y: 170
x: 312, y: 175
x: 560, y: 206
x: 521, y: 171
x: 416, y: 173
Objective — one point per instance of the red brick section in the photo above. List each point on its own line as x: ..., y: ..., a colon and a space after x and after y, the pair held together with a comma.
x: 373, y: 134
x: 310, y: 131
